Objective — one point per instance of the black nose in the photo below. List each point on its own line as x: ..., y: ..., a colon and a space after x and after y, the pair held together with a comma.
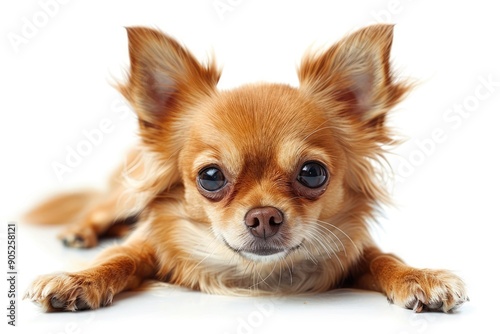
x: 264, y: 222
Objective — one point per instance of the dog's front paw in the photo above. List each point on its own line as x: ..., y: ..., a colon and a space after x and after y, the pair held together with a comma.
x: 69, y: 292
x: 428, y: 290
x: 79, y: 236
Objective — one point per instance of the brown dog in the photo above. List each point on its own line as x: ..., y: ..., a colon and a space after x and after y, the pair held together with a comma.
x: 264, y: 189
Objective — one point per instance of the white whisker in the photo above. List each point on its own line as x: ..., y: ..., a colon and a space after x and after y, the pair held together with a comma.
x: 341, y: 231
x: 316, y: 226
x: 309, y: 255
x: 317, y: 240
x: 290, y: 270
x: 329, y: 251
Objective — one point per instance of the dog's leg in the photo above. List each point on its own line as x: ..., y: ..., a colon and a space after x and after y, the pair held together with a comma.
x: 417, y: 289
x: 97, y: 220
x: 119, y: 268
x: 106, y: 209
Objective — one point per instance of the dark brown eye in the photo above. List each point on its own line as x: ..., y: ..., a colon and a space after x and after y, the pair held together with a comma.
x: 312, y: 175
x: 211, y: 179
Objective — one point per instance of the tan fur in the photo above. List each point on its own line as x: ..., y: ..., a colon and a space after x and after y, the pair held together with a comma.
x: 92, y: 214
x: 60, y: 209
x: 260, y: 137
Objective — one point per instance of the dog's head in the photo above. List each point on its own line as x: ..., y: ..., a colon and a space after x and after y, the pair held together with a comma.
x: 272, y: 168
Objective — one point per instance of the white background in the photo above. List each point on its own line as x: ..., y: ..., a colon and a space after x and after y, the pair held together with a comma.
x: 57, y: 84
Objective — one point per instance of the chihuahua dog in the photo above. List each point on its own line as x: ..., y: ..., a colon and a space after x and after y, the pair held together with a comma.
x: 263, y: 189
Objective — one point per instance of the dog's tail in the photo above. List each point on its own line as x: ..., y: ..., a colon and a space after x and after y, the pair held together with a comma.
x: 61, y: 209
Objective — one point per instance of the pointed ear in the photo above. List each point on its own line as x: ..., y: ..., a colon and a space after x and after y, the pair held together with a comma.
x: 355, y: 75
x: 164, y: 76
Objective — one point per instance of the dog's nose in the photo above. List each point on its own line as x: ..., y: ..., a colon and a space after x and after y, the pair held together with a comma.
x: 264, y: 222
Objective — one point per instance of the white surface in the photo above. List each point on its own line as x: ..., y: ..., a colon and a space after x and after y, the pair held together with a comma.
x: 56, y: 85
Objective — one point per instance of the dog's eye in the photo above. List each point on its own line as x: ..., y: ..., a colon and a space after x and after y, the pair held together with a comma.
x: 211, y: 179
x: 312, y: 175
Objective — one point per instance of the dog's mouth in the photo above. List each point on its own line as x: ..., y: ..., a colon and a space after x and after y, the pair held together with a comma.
x: 265, y: 253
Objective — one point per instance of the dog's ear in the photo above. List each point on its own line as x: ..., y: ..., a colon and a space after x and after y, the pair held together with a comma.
x: 165, y: 82
x: 353, y: 83
x: 354, y: 76
x: 164, y: 76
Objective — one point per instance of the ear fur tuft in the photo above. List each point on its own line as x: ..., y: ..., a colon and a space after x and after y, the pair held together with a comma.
x: 355, y: 72
x: 163, y: 75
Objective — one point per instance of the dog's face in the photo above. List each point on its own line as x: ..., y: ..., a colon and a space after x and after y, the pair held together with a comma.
x: 262, y: 164
x: 271, y: 168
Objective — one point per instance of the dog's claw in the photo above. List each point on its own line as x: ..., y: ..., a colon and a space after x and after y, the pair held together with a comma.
x: 85, y: 238
x: 431, y: 290
x: 57, y: 303
x: 81, y: 304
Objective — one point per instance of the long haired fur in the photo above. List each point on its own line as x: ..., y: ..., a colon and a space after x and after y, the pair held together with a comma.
x: 263, y: 189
